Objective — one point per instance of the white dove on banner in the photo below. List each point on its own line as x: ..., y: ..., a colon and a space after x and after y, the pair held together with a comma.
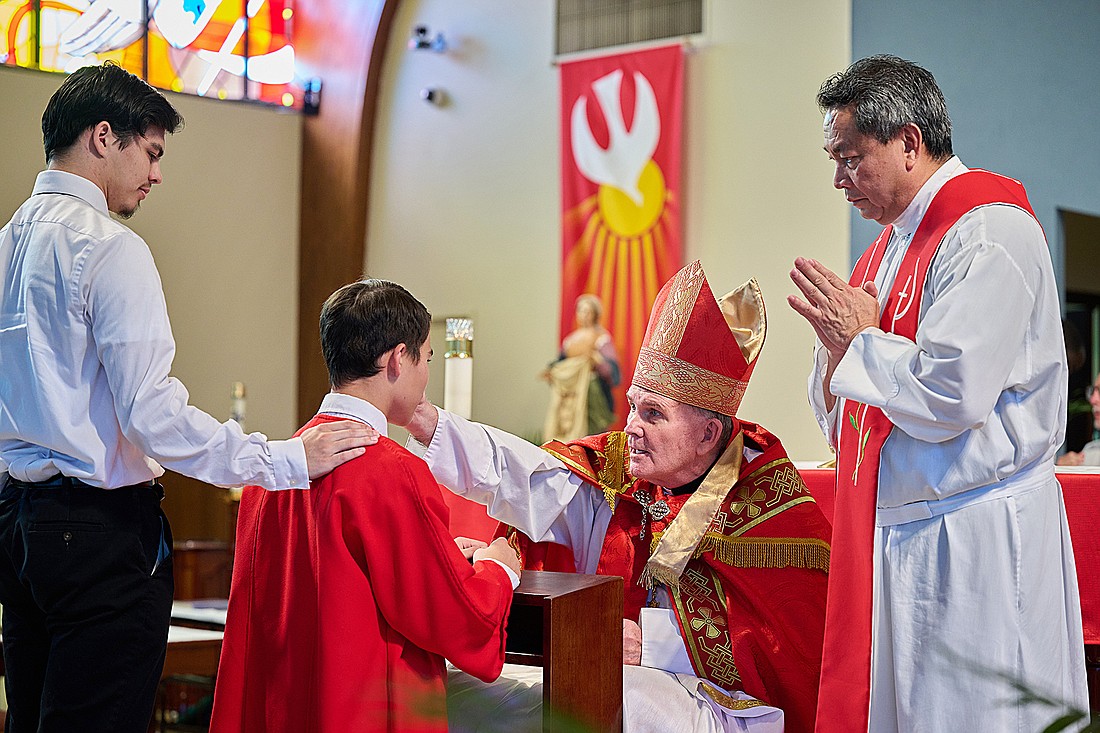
x: 627, y: 154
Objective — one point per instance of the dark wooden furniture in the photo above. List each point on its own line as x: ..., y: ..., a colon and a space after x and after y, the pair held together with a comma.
x: 186, y: 689
x: 198, y: 511
x: 202, y: 569
x: 571, y: 626
x: 192, y: 651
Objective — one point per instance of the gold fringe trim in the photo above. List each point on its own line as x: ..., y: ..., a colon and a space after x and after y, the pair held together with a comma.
x: 727, y: 701
x: 766, y: 552
x: 614, y: 468
x: 612, y: 478
x: 654, y: 573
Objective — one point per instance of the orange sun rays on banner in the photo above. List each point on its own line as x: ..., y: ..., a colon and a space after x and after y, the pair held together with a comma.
x: 620, y: 183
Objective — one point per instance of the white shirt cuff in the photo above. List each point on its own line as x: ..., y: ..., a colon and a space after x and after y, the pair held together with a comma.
x: 511, y: 575
x: 826, y: 419
x: 288, y: 461
x: 866, y: 372
x: 662, y: 645
x: 414, y: 446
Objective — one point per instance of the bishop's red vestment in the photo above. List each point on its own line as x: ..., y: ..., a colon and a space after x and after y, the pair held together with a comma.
x: 345, y: 600
x: 750, y: 602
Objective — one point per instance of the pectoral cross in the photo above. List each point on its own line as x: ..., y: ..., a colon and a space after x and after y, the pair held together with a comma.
x: 655, y: 510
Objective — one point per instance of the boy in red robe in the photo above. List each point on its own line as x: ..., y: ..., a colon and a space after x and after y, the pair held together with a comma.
x: 347, y: 597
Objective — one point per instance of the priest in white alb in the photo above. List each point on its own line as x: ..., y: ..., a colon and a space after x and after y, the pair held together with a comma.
x: 941, y: 379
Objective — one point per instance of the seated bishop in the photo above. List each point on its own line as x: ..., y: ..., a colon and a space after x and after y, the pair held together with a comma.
x: 723, y: 551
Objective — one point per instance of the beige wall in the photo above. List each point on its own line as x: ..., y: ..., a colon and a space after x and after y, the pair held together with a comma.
x: 223, y: 229
x: 465, y: 201
x: 465, y: 197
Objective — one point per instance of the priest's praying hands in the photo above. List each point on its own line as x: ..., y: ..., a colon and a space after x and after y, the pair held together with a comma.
x: 836, y: 310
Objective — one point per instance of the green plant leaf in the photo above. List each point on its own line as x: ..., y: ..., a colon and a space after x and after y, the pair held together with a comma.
x: 1065, y: 722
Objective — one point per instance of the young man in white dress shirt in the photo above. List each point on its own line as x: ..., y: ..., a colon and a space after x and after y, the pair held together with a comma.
x: 88, y: 414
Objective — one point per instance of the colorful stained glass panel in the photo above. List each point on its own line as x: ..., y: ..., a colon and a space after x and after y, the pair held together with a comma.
x: 204, y: 47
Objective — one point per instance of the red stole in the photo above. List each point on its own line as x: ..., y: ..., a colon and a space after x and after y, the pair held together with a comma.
x: 844, y: 700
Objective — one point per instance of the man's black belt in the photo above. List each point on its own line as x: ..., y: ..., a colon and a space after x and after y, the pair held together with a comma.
x: 67, y: 482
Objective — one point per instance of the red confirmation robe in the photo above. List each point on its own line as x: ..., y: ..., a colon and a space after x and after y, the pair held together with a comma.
x: 750, y: 601
x: 845, y: 683
x: 345, y: 600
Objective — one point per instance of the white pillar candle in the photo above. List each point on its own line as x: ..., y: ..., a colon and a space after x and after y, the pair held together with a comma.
x: 458, y: 376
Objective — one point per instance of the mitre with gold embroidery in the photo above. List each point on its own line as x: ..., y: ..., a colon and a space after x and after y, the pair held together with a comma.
x: 699, y: 350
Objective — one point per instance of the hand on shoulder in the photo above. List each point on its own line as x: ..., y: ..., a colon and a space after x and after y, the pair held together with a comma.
x: 329, y: 445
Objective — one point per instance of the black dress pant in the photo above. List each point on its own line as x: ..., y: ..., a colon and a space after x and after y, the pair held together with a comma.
x: 86, y: 587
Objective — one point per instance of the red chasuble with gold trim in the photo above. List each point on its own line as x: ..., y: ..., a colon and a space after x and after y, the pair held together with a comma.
x: 846, y: 667
x: 750, y: 601
x: 347, y: 597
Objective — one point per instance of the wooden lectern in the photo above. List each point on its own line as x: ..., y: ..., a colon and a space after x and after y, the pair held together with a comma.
x: 571, y: 626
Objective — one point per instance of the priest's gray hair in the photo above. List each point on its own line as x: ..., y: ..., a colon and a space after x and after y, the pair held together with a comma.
x: 885, y: 94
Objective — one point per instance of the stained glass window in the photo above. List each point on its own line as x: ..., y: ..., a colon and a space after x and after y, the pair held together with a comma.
x: 227, y: 49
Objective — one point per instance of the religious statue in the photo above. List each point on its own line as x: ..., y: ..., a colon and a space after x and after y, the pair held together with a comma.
x: 582, y: 377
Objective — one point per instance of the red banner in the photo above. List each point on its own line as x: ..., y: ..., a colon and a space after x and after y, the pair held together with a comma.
x: 620, y: 171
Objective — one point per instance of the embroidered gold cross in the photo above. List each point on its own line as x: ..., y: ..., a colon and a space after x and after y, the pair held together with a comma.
x: 710, y: 621
x: 747, y: 501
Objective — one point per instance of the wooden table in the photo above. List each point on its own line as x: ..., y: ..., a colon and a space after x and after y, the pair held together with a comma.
x: 571, y: 626
x: 204, y: 613
x: 187, y: 681
x: 192, y: 651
